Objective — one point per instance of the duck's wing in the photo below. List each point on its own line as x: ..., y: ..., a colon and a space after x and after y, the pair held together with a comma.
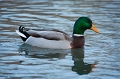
x: 49, y: 34
x: 42, y: 33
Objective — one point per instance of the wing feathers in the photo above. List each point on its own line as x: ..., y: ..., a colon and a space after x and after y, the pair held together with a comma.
x: 50, y: 34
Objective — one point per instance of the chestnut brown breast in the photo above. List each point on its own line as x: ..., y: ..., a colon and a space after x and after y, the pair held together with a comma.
x: 77, y: 42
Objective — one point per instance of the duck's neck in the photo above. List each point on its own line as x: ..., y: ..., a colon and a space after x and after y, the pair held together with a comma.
x: 79, y: 32
x: 78, y: 38
x: 77, y: 41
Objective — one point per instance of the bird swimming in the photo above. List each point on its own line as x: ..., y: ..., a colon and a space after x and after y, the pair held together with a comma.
x: 57, y: 39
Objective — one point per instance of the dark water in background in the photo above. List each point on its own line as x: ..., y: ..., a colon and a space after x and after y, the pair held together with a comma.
x: 100, y: 58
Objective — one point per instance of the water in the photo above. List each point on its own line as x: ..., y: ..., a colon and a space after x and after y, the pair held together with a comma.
x: 99, y: 59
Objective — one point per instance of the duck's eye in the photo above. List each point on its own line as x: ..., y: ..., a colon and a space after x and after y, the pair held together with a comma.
x: 88, y: 21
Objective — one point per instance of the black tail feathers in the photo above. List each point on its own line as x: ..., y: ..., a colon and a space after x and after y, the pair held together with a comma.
x: 21, y: 29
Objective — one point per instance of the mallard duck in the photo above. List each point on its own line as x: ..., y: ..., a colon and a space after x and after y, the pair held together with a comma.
x: 58, y: 39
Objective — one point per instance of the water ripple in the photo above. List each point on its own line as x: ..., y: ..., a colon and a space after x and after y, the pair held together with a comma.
x: 98, y: 60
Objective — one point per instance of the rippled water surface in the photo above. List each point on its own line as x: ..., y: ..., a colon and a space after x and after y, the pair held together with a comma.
x: 99, y: 59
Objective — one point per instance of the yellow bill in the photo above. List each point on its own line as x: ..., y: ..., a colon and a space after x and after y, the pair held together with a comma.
x: 94, y: 29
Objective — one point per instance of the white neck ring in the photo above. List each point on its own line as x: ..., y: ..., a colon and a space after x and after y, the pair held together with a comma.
x: 78, y: 35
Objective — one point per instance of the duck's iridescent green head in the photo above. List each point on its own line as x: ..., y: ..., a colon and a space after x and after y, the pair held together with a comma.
x: 82, y: 24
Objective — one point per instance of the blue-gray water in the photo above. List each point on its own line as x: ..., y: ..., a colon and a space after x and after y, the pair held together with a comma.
x: 100, y: 58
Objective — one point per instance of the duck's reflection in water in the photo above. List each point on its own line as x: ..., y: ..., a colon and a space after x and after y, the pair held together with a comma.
x: 79, y: 65
x: 77, y: 56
